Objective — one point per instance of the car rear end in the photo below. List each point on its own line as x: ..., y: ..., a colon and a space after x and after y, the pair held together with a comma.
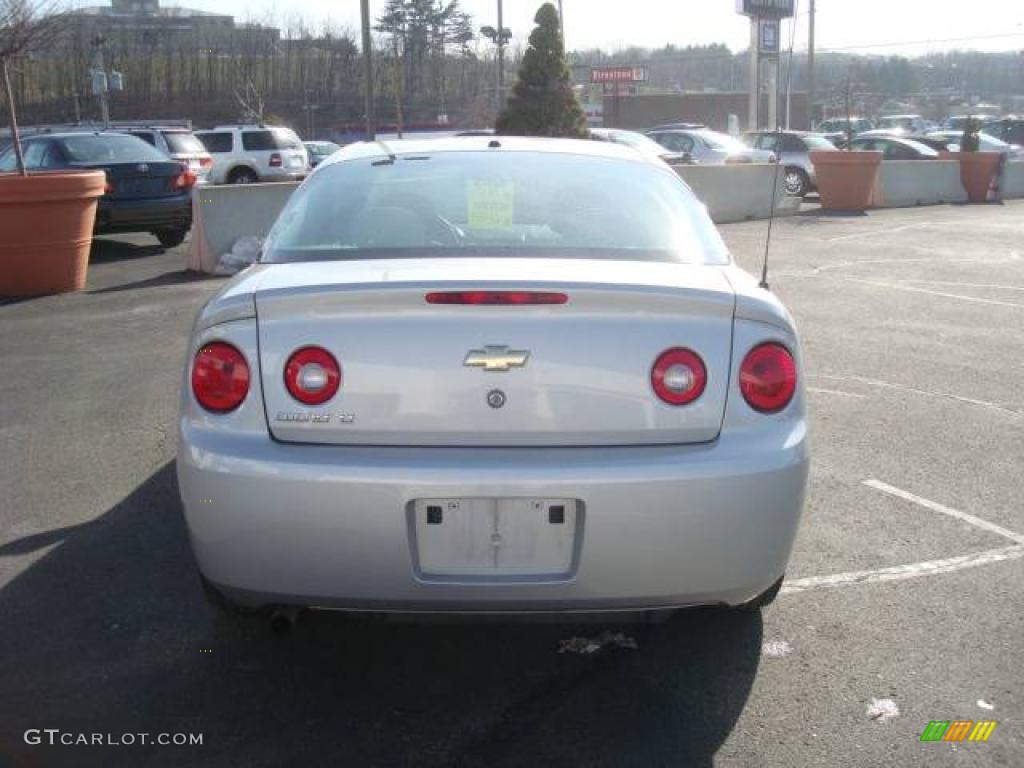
x: 374, y: 421
x: 183, y: 146
x: 278, y: 153
x: 145, y: 190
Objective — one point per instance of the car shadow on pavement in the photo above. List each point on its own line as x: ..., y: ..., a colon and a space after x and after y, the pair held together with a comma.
x: 176, y: 277
x: 106, y: 250
x: 107, y: 633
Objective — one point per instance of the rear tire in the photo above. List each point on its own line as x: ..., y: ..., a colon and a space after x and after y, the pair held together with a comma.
x: 242, y: 176
x: 220, y: 604
x: 766, y: 598
x: 171, y: 238
x: 797, y: 183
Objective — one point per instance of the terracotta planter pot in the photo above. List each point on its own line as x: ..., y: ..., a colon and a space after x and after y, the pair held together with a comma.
x: 977, y: 170
x: 46, y: 220
x: 846, y: 179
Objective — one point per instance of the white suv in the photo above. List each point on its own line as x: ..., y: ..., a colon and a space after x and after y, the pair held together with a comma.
x: 245, y: 154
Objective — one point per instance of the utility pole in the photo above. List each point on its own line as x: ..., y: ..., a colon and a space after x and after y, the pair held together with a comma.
x: 501, y: 56
x: 810, y: 68
x: 368, y: 103
x: 100, y: 84
x: 561, y: 26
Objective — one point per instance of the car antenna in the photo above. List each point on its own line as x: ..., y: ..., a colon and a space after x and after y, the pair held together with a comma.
x: 390, y: 159
x: 778, y: 145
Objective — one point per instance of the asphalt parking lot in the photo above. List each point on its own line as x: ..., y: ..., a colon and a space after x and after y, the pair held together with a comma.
x: 904, y: 601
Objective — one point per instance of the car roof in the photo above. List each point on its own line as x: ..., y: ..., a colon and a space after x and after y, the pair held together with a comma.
x: 78, y: 134
x: 581, y: 147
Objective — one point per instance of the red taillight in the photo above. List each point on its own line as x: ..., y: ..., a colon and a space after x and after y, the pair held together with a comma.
x: 679, y: 376
x: 496, y: 297
x: 275, y: 160
x: 312, y: 375
x: 108, y: 187
x: 205, y: 162
x: 186, y: 179
x: 220, y: 377
x: 768, y: 377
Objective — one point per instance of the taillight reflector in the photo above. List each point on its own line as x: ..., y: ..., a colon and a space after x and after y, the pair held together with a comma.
x: 312, y: 375
x: 185, y: 180
x: 679, y: 376
x: 768, y: 377
x: 517, y: 298
x: 275, y: 160
x: 220, y: 377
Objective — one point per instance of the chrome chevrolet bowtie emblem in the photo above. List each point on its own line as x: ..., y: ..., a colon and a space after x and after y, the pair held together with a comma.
x: 496, y: 358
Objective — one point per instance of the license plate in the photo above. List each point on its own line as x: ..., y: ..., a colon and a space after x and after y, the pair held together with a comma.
x: 294, y: 162
x: 495, y: 537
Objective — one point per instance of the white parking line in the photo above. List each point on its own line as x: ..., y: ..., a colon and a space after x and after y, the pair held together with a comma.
x: 901, y: 572
x: 942, y: 294
x: 927, y: 567
x: 916, y: 391
x: 934, y: 506
x: 996, y: 286
x: 823, y: 391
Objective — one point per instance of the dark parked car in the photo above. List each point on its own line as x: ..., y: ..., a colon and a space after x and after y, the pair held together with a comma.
x: 895, y: 148
x: 146, y: 190
x: 1010, y: 129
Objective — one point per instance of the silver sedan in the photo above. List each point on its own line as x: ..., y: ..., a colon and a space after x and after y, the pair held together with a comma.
x: 493, y: 374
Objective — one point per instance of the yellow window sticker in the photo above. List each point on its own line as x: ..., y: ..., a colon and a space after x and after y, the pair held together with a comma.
x: 491, y: 204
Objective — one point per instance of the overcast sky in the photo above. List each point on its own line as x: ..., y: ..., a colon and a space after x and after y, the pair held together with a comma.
x: 992, y: 24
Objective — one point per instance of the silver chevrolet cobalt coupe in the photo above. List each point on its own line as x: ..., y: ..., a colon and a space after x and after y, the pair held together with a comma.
x: 493, y: 374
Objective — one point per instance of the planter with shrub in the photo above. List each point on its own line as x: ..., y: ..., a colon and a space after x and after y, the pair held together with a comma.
x: 977, y: 169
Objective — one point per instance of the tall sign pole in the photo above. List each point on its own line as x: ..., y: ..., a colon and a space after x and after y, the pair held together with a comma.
x: 810, y: 69
x: 368, y: 103
x: 754, y: 100
x: 765, y: 39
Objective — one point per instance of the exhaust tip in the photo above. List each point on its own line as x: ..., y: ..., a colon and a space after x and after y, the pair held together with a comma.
x: 283, y: 618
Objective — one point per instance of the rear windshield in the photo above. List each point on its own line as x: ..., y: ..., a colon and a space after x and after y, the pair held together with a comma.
x: 818, y: 142
x: 722, y: 141
x: 518, y: 204
x: 110, y: 149
x: 215, y: 142
x: 183, y: 143
x: 277, y: 138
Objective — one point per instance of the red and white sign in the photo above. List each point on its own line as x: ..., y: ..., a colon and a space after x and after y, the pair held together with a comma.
x: 618, y: 74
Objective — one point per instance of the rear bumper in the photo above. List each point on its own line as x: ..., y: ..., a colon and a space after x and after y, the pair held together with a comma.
x: 144, y: 215
x: 326, y: 526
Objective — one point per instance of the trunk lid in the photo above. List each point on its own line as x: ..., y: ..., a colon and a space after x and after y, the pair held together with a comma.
x: 587, y: 375
x: 142, y: 180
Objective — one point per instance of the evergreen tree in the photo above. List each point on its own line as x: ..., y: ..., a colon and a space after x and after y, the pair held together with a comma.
x: 542, y: 101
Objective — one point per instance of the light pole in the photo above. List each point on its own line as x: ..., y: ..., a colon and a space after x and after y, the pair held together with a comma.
x: 368, y: 103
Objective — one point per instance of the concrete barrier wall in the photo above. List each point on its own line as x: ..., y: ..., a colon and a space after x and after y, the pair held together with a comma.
x: 738, y: 192
x: 222, y: 214
x: 904, y: 183
x: 1012, y: 184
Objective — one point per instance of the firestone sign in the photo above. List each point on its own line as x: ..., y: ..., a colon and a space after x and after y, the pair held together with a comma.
x: 766, y: 9
x: 618, y: 75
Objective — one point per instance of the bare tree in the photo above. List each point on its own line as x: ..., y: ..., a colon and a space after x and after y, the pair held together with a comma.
x: 24, y: 25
